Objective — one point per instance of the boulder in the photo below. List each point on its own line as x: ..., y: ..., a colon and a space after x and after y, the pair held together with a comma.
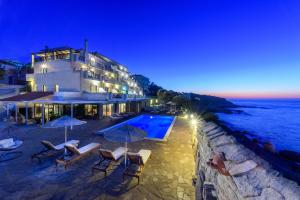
x: 242, y: 168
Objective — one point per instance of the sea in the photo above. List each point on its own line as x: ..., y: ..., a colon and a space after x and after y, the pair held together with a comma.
x: 269, y: 120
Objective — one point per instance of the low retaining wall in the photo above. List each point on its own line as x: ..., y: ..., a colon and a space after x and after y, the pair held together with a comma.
x: 260, y: 182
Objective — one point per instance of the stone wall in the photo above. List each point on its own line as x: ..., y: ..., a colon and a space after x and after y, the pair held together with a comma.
x: 257, y: 183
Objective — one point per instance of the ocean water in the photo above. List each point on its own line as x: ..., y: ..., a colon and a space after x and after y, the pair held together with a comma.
x: 276, y: 121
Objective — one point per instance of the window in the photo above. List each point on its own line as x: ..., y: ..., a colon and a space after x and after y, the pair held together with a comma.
x: 44, y: 70
x: 56, y: 88
x: 107, y: 109
x: 122, y: 107
x: 44, y: 88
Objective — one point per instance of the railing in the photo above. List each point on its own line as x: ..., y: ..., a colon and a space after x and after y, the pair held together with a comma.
x: 96, y: 96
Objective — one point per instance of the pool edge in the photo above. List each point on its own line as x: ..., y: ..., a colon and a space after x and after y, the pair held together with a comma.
x: 152, y: 139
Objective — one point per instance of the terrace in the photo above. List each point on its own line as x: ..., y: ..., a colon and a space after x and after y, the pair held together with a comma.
x: 167, y: 175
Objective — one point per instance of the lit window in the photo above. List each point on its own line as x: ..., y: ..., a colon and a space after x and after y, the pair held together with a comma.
x: 44, y: 68
x: 93, y: 61
x: 56, y: 88
x: 44, y: 88
x: 83, y: 67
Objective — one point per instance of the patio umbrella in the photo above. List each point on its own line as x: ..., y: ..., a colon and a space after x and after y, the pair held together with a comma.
x: 65, y: 121
x: 126, y: 134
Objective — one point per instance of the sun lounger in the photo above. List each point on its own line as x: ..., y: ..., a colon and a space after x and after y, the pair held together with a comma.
x: 51, y: 150
x: 76, y: 154
x: 114, y: 117
x: 108, y: 157
x: 10, y: 144
x: 118, y: 115
x: 137, y: 163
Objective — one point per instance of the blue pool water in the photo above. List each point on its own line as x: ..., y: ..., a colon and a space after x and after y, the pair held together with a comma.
x: 156, y: 126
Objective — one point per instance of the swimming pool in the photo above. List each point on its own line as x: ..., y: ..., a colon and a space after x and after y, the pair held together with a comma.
x: 157, y: 127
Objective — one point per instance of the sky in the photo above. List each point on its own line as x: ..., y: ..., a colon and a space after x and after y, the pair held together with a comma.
x: 229, y: 48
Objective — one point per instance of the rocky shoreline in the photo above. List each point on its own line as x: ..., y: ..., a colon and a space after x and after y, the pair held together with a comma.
x: 250, y: 175
x: 286, y: 162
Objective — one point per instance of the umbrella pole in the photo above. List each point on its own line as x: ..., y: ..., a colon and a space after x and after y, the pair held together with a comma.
x: 66, y: 129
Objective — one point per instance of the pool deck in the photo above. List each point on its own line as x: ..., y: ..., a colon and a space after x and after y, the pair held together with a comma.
x: 167, y: 175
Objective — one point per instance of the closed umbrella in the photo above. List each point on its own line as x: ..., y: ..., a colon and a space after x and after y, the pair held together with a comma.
x: 65, y: 121
x: 126, y: 134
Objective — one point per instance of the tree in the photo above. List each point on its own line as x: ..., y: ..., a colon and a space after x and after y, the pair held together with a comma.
x: 153, y: 89
x: 2, y: 73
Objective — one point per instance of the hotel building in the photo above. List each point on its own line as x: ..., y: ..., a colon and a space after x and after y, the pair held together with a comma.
x: 76, y: 82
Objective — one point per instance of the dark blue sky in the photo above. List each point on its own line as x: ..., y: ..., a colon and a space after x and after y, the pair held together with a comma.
x: 229, y: 48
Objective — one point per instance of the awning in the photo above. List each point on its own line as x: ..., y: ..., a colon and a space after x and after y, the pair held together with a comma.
x: 29, y: 96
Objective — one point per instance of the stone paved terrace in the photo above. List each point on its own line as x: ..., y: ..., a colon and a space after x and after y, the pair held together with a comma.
x: 167, y: 175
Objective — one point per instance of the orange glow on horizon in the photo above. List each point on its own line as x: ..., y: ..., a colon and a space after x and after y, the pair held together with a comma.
x: 254, y: 95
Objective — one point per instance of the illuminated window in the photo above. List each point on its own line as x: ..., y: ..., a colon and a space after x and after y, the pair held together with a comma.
x: 44, y: 70
x: 56, y: 88
x: 122, y: 107
x: 107, y: 110
x: 44, y: 88
x: 93, y: 61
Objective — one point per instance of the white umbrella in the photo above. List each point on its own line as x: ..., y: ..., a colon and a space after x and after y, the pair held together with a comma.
x: 65, y: 121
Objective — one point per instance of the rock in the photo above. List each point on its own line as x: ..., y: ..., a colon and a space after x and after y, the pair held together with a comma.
x: 245, y: 187
x: 290, y: 155
x: 251, y: 177
x: 268, y: 146
x: 268, y: 194
x: 222, y: 140
x: 242, y: 168
x: 271, y: 194
x: 214, y: 131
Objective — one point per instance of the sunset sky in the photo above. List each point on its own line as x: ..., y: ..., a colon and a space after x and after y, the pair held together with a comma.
x: 229, y: 48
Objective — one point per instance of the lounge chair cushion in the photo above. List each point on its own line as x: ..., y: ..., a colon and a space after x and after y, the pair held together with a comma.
x: 48, y: 145
x: 61, y: 146
x: 87, y: 148
x: 6, y: 143
x: 72, y: 148
x: 119, y: 152
x: 143, y: 155
x: 115, y: 155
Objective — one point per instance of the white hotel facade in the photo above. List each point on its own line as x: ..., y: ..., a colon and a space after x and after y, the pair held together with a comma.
x: 76, y: 82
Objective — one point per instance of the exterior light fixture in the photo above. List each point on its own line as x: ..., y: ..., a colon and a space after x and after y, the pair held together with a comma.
x: 44, y: 66
x: 194, y: 122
